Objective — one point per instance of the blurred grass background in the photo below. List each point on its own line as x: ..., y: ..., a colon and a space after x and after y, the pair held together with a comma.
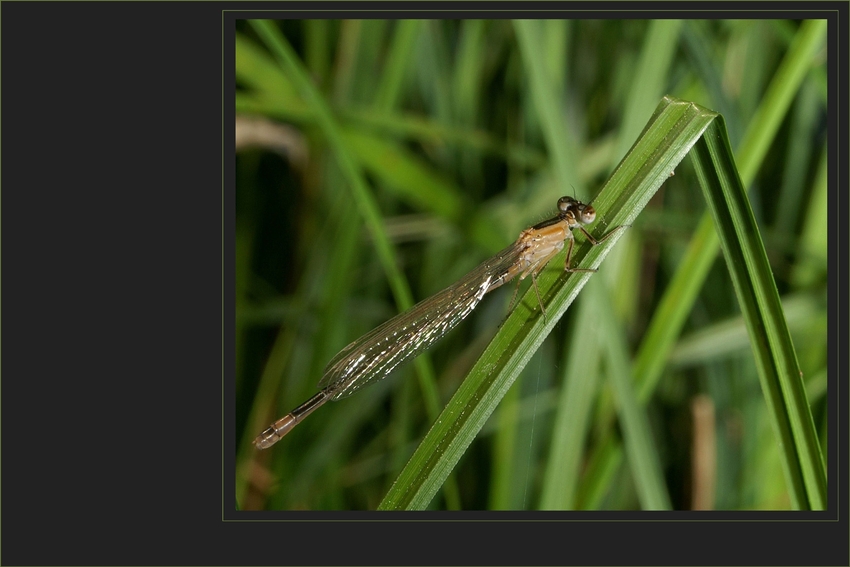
x: 438, y: 118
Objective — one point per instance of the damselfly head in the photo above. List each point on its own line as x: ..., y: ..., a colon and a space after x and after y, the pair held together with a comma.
x: 583, y: 214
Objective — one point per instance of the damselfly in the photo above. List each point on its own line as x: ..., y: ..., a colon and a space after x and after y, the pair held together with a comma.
x: 377, y: 353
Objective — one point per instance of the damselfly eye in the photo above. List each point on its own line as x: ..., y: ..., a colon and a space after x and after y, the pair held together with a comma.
x: 564, y: 203
x: 587, y: 214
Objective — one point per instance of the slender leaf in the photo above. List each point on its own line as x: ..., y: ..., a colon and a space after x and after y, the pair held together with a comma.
x: 772, y: 346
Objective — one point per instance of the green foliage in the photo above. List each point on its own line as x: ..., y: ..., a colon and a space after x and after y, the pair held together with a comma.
x: 414, y: 149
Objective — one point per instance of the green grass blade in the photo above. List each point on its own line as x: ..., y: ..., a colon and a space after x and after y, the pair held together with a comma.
x: 406, y: 175
x: 779, y: 372
x: 680, y: 295
x: 813, y: 242
x: 581, y: 383
x: 363, y: 197
x: 649, y: 79
x: 637, y: 437
x: 672, y: 130
x: 558, y: 140
x: 271, y: 93
x: 774, y: 106
x: 398, y: 61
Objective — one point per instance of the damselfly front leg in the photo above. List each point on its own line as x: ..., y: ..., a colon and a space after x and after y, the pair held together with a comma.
x: 593, y: 242
x: 576, y: 214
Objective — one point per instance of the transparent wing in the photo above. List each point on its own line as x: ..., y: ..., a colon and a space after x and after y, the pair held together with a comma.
x: 374, y: 355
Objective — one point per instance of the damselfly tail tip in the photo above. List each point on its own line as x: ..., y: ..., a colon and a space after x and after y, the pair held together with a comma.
x: 275, y: 431
x: 264, y: 441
